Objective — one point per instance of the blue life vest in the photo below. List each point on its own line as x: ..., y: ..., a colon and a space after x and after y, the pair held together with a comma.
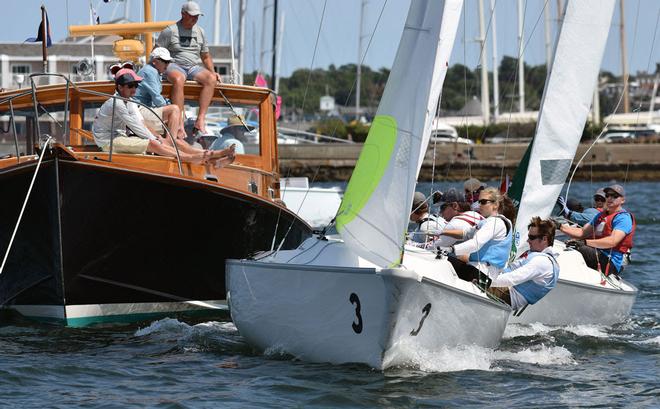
x: 495, y: 252
x: 533, y: 291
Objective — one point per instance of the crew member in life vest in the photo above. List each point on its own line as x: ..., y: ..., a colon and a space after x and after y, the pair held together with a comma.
x: 609, y: 235
x: 427, y: 226
x: 534, y: 274
x: 488, y: 249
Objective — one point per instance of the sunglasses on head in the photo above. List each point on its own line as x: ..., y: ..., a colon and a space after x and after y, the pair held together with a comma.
x: 535, y: 236
x: 485, y: 201
x: 612, y: 195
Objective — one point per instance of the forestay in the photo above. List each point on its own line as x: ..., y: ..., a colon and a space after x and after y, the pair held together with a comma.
x: 373, y: 216
x: 566, y: 103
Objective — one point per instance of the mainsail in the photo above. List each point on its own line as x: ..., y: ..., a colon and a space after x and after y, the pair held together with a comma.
x: 373, y: 215
x: 566, y: 103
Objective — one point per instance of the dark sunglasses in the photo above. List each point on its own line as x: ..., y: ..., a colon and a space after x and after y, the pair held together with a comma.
x: 444, y: 206
x: 132, y: 85
x: 612, y: 195
x: 599, y: 198
x: 485, y: 201
x: 535, y: 236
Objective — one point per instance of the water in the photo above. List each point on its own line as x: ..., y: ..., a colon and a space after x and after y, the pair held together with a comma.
x: 173, y: 364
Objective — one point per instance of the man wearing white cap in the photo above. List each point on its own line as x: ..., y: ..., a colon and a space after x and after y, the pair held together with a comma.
x: 187, y: 44
x: 149, y: 92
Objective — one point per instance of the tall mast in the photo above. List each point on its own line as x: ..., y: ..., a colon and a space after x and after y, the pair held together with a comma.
x: 262, y: 54
x: 485, y: 98
x: 521, y: 61
x: 278, y: 53
x: 358, y: 84
x: 274, y: 63
x: 148, y: 37
x: 216, y: 22
x: 242, y: 5
x: 548, y: 36
x: 496, y: 79
x: 624, y: 60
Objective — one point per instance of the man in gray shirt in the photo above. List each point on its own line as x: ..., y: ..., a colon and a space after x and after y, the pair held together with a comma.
x: 186, y: 42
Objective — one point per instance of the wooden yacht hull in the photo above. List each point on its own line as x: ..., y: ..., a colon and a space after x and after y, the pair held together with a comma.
x: 102, y: 243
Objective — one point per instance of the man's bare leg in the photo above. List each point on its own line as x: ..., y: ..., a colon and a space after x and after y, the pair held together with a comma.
x: 167, y: 150
x: 177, y: 79
x: 207, y: 80
x: 172, y: 117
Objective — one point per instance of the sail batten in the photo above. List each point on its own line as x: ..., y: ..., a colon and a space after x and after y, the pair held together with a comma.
x: 564, y: 109
x: 373, y: 216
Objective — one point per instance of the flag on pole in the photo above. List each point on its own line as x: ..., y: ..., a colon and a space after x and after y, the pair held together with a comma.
x: 39, y: 38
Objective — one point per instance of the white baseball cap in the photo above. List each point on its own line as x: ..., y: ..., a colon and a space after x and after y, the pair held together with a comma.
x: 191, y: 8
x: 162, y: 53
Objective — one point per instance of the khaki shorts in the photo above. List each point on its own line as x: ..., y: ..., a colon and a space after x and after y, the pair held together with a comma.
x: 151, y: 120
x: 128, y: 144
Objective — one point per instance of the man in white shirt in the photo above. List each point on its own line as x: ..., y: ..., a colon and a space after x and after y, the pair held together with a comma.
x: 533, y: 275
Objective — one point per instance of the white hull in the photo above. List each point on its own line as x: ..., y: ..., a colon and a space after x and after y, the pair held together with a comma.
x: 379, y: 317
x: 90, y: 314
x: 580, y: 297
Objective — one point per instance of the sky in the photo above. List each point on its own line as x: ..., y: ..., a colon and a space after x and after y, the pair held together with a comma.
x: 336, y: 23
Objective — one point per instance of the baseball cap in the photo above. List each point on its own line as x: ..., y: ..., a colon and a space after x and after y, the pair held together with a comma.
x: 126, y: 76
x: 162, y: 53
x: 452, y: 195
x: 600, y: 192
x: 472, y: 185
x: 617, y: 189
x: 191, y: 8
x: 418, y: 199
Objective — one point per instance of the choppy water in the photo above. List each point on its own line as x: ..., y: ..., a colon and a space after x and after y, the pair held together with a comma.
x: 168, y: 363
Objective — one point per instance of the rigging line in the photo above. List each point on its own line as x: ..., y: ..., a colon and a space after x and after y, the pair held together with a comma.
x: 465, y: 123
x: 350, y: 91
x: 614, y: 110
x: 522, y: 47
x: 302, y: 108
x: 25, y: 202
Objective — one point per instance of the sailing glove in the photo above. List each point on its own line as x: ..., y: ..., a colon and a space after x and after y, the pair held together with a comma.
x: 562, y: 203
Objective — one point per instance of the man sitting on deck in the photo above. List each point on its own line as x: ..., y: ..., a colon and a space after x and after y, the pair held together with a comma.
x: 125, y: 115
x: 186, y: 41
x: 149, y: 92
x: 608, y: 237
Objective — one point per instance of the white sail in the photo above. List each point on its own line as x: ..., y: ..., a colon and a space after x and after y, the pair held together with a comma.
x: 564, y: 109
x: 373, y: 216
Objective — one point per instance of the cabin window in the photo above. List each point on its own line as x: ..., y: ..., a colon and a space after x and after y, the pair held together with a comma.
x: 51, y: 122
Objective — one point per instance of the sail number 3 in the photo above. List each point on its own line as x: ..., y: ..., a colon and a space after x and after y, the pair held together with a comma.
x: 354, y: 299
x: 425, y: 313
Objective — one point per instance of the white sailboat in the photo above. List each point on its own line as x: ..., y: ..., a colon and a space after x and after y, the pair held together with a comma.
x: 358, y: 298
x: 582, y: 295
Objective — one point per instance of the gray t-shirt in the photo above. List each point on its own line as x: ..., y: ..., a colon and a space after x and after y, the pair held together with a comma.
x: 184, y: 45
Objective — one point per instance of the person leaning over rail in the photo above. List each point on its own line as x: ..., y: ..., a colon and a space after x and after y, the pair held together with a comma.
x: 488, y: 250
x: 530, y: 277
x: 126, y: 116
x: 608, y: 237
x: 186, y: 41
x: 149, y: 92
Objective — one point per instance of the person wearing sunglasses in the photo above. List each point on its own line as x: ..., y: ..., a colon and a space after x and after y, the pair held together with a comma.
x: 608, y: 237
x: 186, y: 41
x: 125, y: 116
x: 530, y: 277
x: 578, y: 214
x: 488, y: 249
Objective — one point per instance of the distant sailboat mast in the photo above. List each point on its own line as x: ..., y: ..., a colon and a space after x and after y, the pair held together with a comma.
x: 485, y: 97
x: 521, y: 59
x: 358, y: 84
x: 496, y: 79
